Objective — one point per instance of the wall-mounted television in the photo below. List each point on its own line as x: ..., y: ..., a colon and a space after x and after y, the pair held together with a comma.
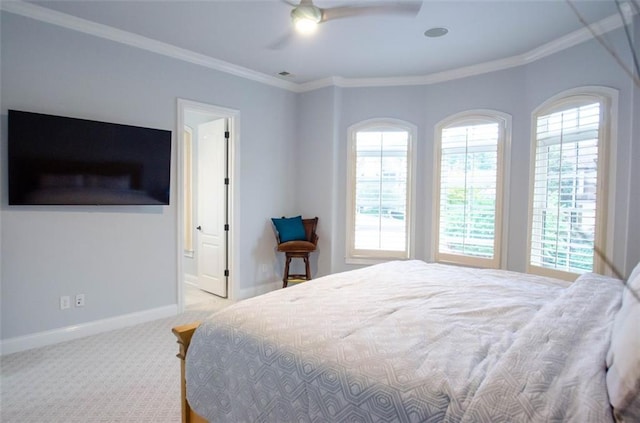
x: 56, y: 160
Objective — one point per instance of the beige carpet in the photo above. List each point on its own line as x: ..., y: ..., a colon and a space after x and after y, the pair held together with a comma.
x: 129, y: 375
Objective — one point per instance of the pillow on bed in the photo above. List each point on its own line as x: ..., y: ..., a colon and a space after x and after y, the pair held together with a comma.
x: 623, y: 357
x: 290, y: 229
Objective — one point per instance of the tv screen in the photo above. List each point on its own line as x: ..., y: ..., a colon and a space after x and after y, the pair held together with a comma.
x: 55, y: 160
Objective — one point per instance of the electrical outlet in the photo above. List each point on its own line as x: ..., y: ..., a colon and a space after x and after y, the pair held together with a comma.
x: 65, y: 302
x: 80, y: 300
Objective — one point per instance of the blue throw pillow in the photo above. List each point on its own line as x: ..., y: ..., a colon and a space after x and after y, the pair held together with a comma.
x: 290, y: 229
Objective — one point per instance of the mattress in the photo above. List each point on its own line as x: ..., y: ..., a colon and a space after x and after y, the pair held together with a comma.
x: 409, y: 341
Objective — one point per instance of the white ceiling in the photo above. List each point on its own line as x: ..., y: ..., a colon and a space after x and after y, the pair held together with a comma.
x: 243, y: 33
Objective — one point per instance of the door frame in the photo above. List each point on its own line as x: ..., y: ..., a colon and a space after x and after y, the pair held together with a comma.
x: 233, y: 116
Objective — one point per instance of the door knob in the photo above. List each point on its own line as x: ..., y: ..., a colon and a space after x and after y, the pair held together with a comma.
x: 199, y: 228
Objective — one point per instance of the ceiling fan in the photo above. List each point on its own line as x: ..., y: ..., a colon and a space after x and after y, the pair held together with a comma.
x: 305, y: 16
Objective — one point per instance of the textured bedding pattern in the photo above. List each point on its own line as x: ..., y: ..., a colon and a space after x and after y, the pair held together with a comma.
x: 409, y: 342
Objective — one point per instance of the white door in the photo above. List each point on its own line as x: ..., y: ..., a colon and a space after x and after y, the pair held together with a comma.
x: 212, y: 200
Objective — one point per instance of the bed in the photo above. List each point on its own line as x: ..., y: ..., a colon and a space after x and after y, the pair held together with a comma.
x: 409, y: 341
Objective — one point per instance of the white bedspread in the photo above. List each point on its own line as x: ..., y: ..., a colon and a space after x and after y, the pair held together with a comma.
x: 409, y: 342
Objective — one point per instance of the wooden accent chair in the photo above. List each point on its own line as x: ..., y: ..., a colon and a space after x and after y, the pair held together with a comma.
x: 299, y: 249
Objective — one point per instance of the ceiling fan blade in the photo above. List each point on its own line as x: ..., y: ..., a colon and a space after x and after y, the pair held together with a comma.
x: 397, y: 8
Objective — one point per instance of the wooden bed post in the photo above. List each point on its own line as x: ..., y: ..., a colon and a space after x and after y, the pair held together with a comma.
x: 184, y: 334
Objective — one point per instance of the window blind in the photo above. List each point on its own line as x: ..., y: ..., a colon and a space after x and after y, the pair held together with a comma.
x: 381, y: 190
x: 468, y: 190
x: 564, y: 214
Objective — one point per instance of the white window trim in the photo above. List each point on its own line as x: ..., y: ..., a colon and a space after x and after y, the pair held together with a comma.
x: 606, y: 183
x: 502, y: 203
x: 353, y: 256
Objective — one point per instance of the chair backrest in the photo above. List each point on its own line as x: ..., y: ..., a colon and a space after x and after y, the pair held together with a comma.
x: 310, y: 226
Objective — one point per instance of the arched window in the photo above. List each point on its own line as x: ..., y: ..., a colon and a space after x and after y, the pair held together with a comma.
x: 380, y: 190
x: 568, y: 196
x: 469, y: 187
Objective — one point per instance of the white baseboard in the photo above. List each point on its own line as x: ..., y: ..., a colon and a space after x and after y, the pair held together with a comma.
x: 257, y: 290
x: 54, y: 336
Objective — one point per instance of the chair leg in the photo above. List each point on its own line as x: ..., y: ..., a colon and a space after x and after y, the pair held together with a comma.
x: 307, y: 268
x: 285, y: 277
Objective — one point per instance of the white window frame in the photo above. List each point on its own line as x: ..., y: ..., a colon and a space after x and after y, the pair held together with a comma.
x: 471, y: 117
x: 360, y: 256
x: 605, y: 188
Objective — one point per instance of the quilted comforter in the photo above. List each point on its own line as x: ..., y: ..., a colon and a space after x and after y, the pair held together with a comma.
x: 409, y: 342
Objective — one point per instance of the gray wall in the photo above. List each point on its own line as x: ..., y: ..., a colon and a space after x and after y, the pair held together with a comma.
x: 124, y: 258
x: 292, y: 159
x: 517, y: 91
x: 316, y: 176
x: 633, y: 246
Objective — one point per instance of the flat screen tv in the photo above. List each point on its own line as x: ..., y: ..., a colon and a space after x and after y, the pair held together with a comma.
x: 55, y: 160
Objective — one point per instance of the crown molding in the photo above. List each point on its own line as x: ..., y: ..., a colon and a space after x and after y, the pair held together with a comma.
x: 434, y: 78
x: 332, y: 81
x: 64, y: 20
x: 134, y: 40
x: 570, y: 40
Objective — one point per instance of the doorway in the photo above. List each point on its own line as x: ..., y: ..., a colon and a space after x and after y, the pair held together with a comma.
x: 206, y: 152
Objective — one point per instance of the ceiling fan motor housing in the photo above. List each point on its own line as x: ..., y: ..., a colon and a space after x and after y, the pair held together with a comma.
x: 306, y: 12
